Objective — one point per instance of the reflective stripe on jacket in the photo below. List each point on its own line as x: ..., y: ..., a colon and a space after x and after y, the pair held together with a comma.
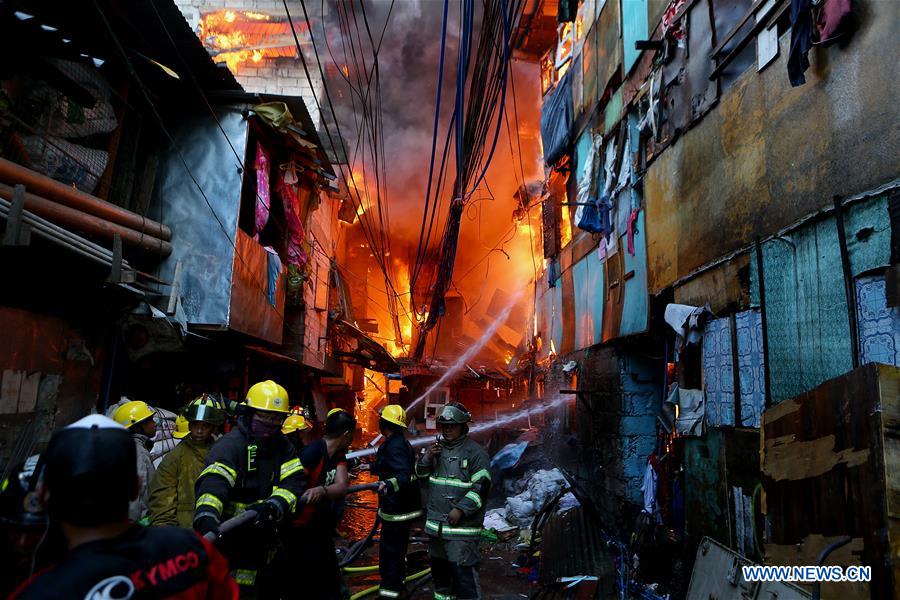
x: 394, y: 464
x: 459, y: 477
x: 240, y: 471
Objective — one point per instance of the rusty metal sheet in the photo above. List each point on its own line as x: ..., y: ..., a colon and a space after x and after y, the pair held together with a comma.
x: 573, y: 545
x: 577, y: 94
x: 250, y: 311
x: 590, y: 84
x: 697, y: 94
x: 609, y: 45
x: 567, y: 344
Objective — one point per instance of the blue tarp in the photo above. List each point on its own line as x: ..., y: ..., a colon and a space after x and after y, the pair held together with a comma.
x: 557, y: 119
x: 509, y: 455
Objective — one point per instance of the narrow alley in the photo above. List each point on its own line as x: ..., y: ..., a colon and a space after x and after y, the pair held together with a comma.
x: 544, y: 299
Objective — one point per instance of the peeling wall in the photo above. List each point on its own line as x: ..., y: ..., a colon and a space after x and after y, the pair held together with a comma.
x: 770, y: 154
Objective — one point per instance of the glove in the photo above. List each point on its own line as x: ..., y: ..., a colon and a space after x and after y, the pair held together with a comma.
x: 267, y: 511
x: 206, y: 524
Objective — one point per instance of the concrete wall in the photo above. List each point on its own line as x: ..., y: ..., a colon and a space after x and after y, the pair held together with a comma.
x: 770, y: 154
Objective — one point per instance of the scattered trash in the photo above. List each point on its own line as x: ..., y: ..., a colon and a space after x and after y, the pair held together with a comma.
x: 575, y: 580
x: 538, y: 489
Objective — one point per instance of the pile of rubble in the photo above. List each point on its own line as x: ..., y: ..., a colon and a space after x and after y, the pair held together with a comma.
x: 527, y: 498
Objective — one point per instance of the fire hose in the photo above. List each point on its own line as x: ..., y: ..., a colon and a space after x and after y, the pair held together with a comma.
x: 249, y: 516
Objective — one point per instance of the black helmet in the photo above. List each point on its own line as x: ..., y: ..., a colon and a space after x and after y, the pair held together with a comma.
x: 90, y: 470
x: 454, y: 413
x: 205, y: 408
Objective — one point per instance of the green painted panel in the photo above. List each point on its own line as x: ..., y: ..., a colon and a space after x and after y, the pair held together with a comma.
x: 868, y: 228
x: 634, y: 27
x: 806, y: 310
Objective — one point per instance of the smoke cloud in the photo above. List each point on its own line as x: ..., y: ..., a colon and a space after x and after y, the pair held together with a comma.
x: 493, y: 252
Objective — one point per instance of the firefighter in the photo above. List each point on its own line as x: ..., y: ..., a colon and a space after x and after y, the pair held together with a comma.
x: 309, y: 541
x: 252, y: 467
x: 399, y: 502
x: 88, y: 477
x: 297, y: 430
x: 172, y: 488
x: 458, y: 485
x: 137, y: 417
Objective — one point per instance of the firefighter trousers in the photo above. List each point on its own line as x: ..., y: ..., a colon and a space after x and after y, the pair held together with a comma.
x: 310, y: 565
x: 392, y: 558
x: 454, y: 568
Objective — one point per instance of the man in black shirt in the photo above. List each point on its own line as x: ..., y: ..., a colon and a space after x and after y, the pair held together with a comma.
x: 309, y: 540
x: 399, y: 502
x: 88, y: 477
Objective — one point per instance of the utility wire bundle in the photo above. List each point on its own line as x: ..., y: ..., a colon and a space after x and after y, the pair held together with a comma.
x: 478, y: 108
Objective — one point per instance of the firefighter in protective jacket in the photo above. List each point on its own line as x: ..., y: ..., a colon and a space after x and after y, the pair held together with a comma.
x: 399, y: 502
x: 252, y: 467
x: 459, y: 482
x: 172, y: 487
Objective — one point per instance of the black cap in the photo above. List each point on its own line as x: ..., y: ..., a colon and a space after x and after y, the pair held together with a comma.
x: 91, y: 472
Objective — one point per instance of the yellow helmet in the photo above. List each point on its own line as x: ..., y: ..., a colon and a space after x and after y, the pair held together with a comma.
x: 132, y: 413
x: 334, y: 410
x: 268, y: 395
x: 394, y: 413
x: 294, y: 423
x: 181, y: 427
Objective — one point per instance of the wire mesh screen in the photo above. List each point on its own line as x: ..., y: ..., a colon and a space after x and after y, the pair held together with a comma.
x: 60, y: 123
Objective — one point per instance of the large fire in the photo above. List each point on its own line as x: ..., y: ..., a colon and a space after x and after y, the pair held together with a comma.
x: 236, y: 37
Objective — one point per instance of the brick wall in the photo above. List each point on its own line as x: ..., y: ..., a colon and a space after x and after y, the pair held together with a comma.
x: 282, y: 75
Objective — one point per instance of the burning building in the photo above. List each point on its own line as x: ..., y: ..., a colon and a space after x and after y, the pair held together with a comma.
x: 254, y: 40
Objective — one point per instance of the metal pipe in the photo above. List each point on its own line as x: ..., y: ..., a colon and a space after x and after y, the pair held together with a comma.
x: 57, y: 232
x: 89, y: 223
x: 849, y: 284
x: 58, y: 192
x: 70, y: 241
x: 72, y: 244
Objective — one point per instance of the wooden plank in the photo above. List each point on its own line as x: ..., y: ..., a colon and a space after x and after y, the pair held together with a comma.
x: 9, y: 391
x: 28, y: 393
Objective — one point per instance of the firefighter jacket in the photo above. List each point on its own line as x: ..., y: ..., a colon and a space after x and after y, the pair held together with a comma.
x: 395, y: 465
x: 143, y: 562
x: 172, y: 488
x: 241, y: 470
x: 138, y: 508
x: 457, y: 478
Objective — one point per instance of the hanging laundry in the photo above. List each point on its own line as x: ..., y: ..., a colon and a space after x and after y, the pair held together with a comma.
x: 632, y: 227
x: 587, y: 215
x: 274, y: 272
x: 688, y: 322
x: 691, y: 410
x: 263, y: 198
x: 835, y: 19
x: 801, y: 41
x: 671, y: 28
x: 648, y: 489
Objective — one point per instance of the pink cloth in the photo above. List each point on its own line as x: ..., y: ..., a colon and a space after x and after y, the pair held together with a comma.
x: 262, y: 190
x: 632, y: 221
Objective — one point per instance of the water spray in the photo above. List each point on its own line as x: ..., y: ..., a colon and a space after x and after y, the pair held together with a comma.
x: 472, y: 351
x: 487, y: 426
